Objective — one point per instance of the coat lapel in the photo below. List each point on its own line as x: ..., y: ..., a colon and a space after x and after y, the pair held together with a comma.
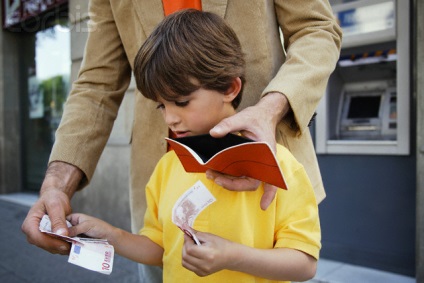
x: 218, y: 7
x: 150, y: 12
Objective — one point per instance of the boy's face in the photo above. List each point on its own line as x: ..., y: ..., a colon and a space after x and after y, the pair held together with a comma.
x: 196, y: 113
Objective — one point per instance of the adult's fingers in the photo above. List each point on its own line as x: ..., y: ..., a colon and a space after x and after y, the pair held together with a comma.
x: 233, y: 183
x: 226, y: 126
x: 57, y: 207
x: 30, y: 227
x: 268, y: 196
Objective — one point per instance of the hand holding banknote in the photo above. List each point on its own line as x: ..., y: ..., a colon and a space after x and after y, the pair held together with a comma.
x: 91, y: 253
x: 212, y: 256
x: 189, y: 206
x: 89, y: 226
x: 203, y: 253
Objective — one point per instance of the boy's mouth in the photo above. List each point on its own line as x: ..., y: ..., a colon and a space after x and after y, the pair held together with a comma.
x: 181, y: 134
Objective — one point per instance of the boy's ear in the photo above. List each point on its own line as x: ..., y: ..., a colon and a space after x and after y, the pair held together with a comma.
x: 233, y: 90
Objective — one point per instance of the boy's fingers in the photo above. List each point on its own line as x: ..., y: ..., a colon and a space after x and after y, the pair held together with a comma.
x: 74, y: 218
x: 79, y: 224
x: 188, y: 239
x: 73, y: 231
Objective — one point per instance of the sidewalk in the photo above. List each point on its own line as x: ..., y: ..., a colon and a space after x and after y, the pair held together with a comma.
x: 21, y: 262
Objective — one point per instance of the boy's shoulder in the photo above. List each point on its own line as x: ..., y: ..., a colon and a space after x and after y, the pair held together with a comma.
x: 286, y: 159
x: 284, y: 152
x: 168, y: 157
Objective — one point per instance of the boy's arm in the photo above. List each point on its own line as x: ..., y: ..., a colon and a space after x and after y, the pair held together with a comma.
x: 134, y: 247
x: 137, y: 248
x: 216, y: 254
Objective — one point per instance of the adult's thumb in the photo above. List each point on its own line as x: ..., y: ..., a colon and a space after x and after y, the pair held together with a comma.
x: 59, y: 224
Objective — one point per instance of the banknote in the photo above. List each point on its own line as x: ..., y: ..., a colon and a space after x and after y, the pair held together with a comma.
x: 93, y: 254
x: 189, y: 206
x: 46, y: 227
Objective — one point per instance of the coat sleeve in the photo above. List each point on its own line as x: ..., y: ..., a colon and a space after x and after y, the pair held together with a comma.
x: 312, y: 40
x: 96, y: 95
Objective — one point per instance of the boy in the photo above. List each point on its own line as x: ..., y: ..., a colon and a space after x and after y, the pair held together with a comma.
x: 193, y: 67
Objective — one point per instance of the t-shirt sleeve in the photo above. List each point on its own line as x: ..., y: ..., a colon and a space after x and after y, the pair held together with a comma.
x: 152, y: 227
x: 297, y: 219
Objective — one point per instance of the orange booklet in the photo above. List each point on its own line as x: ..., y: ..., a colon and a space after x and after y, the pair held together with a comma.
x: 233, y: 155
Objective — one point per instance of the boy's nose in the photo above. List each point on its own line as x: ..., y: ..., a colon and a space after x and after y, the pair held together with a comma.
x: 171, y: 118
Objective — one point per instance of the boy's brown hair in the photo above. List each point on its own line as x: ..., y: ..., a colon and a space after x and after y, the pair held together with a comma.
x: 189, y: 50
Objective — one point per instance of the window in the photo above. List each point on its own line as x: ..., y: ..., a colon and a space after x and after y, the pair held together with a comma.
x: 48, y: 85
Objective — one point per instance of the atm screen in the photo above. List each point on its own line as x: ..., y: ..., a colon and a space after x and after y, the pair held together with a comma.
x: 364, y: 107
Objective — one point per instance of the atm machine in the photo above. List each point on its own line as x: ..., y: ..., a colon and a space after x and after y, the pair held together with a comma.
x: 366, y: 106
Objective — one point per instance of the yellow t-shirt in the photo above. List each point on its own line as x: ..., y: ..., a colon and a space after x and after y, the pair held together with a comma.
x: 291, y: 221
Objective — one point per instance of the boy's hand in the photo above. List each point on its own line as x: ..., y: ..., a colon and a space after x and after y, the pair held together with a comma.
x: 89, y: 226
x: 212, y: 256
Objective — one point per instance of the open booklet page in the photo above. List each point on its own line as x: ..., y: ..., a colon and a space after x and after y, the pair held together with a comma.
x: 233, y: 155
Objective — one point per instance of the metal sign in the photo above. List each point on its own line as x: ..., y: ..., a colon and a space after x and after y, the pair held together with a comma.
x: 16, y: 12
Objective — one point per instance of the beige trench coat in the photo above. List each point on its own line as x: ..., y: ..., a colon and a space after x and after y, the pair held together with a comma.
x: 119, y: 27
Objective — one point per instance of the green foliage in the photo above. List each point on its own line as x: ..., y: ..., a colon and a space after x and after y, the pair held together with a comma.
x: 55, y: 90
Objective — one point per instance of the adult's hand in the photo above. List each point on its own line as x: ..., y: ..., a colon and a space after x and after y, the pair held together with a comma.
x: 258, y: 123
x: 59, y: 185
x: 243, y: 184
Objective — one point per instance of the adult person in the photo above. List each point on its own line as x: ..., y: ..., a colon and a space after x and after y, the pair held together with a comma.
x: 285, y: 84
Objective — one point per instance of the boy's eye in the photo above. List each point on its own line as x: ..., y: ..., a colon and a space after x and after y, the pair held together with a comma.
x: 181, y: 103
x: 160, y: 106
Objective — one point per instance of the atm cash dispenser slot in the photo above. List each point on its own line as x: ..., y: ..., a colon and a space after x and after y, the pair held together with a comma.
x: 368, y: 111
